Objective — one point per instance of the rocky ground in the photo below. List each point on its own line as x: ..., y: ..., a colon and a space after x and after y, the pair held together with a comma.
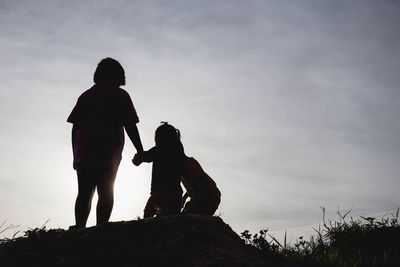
x: 184, y: 240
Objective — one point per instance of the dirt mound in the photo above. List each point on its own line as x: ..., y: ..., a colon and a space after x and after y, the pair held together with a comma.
x: 184, y: 240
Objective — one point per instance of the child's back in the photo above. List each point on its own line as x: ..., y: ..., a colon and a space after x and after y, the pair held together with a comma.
x: 201, y: 188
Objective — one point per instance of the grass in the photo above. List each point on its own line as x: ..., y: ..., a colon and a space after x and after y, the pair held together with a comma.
x: 4, y: 228
x: 349, y: 242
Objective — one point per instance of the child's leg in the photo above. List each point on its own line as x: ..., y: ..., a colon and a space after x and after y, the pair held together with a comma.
x: 171, y: 203
x: 202, y: 206
x: 216, y: 200
x: 165, y: 202
x: 150, y: 209
x: 83, y: 203
x: 188, y: 207
x: 209, y: 206
x: 105, y: 191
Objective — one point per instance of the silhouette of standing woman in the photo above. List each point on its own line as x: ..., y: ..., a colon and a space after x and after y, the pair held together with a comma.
x: 99, y: 118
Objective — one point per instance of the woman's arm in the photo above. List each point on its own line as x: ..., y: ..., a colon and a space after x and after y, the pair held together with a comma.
x: 133, y: 133
x: 73, y: 135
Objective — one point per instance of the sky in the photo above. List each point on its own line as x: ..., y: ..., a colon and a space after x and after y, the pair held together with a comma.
x: 288, y: 105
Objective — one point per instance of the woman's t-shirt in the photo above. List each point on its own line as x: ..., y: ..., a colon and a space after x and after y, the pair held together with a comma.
x: 100, y: 114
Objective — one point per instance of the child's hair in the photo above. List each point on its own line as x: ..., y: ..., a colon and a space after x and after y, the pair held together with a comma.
x: 109, y: 72
x: 169, y: 138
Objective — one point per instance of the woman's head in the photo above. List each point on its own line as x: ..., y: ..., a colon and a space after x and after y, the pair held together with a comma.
x: 109, y: 72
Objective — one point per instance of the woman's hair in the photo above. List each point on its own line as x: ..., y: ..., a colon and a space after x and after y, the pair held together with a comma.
x: 168, y: 137
x: 109, y: 72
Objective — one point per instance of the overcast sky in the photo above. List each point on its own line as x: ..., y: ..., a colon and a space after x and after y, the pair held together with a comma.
x: 288, y: 105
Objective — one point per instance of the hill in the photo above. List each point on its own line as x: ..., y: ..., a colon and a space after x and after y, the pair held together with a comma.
x: 183, y: 240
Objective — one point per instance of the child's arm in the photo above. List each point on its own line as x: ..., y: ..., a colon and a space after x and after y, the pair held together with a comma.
x: 145, y: 156
x: 188, y: 193
x: 189, y: 190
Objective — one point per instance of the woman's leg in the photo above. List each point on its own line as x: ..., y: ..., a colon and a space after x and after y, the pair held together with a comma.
x: 83, y: 203
x: 105, y: 192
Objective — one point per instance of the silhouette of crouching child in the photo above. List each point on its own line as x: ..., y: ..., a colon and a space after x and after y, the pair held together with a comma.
x: 168, y: 161
x: 200, y: 188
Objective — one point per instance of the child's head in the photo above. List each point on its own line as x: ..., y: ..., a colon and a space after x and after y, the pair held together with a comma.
x: 168, y: 141
x: 109, y: 72
x: 167, y: 135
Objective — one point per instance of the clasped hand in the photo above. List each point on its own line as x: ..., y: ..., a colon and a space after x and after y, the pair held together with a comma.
x: 137, y: 159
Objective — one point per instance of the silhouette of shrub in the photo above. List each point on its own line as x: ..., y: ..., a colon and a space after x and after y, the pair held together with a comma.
x: 365, y: 241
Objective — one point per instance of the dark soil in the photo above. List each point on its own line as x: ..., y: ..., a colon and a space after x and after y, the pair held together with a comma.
x: 183, y: 240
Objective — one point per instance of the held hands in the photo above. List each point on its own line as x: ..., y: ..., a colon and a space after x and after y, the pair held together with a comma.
x: 142, y: 156
x: 137, y: 159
